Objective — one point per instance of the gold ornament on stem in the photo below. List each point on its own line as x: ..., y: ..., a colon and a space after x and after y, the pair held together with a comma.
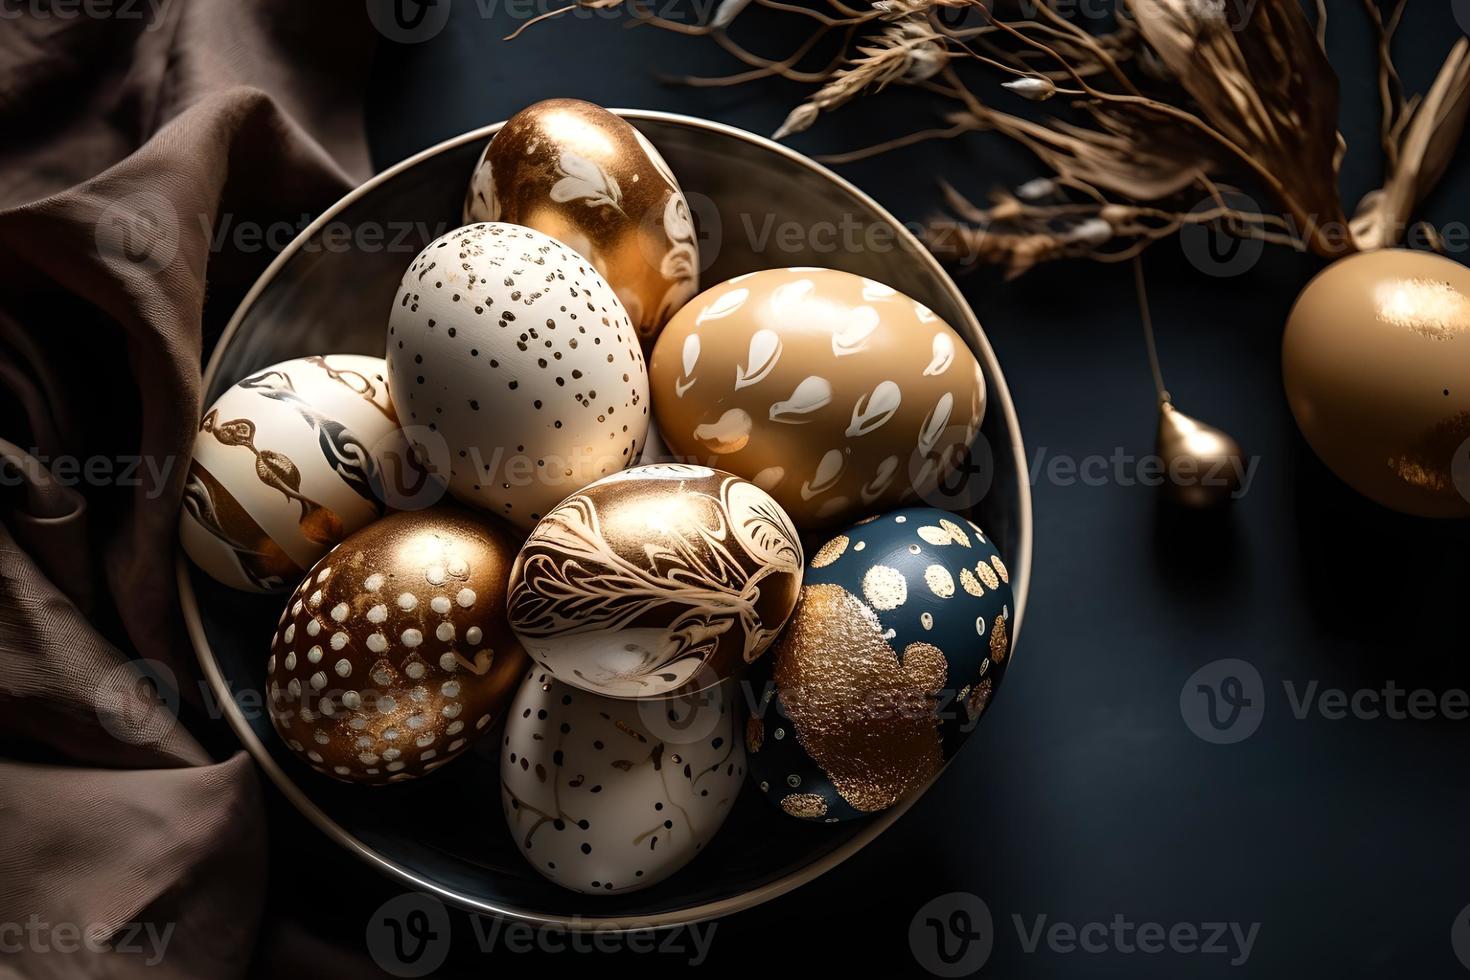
x: 1202, y: 464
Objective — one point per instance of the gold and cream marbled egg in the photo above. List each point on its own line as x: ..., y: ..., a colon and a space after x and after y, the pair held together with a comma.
x: 394, y: 653
x: 284, y: 466
x: 586, y: 177
x: 657, y: 579
x: 834, y: 393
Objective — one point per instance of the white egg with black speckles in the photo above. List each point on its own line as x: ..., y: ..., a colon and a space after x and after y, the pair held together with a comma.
x: 609, y: 795
x: 516, y: 368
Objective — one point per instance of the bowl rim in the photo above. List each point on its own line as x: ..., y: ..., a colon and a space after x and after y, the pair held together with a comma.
x: 1020, y: 565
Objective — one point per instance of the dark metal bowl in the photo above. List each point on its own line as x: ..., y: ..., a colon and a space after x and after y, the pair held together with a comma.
x: 330, y: 290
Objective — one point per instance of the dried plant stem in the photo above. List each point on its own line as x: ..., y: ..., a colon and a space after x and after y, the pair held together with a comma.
x: 1167, y: 105
x: 1141, y: 288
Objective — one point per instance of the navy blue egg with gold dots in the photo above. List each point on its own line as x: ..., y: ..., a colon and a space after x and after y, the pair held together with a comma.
x: 892, y: 655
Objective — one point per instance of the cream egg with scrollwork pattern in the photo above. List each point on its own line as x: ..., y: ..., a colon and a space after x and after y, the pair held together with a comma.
x: 286, y: 464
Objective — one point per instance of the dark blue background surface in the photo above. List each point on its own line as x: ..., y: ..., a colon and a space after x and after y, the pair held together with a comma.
x: 1084, y: 795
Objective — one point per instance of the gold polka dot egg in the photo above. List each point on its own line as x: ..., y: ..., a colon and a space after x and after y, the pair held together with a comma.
x: 515, y: 370
x: 836, y: 394
x: 662, y: 577
x: 393, y: 654
x: 588, y: 178
x: 285, y: 464
x: 896, y: 647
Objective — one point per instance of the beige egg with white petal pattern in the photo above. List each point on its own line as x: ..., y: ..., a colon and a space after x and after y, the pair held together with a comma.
x: 394, y: 653
x: 836, y: 394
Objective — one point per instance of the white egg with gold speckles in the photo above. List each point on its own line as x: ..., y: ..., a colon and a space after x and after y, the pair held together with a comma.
x: 510, y: 350
x: 605, y: 795
x: 898, y: 642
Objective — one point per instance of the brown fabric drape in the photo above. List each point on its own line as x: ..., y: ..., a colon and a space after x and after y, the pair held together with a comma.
x: 127, y: 141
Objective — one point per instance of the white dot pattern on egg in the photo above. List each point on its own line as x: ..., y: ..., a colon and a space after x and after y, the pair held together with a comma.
x: 605, y: 795
x: 520, y: 361
x: 397, y: 671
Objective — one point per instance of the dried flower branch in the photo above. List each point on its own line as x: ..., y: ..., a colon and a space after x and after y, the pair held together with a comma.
x: 1170, y: 108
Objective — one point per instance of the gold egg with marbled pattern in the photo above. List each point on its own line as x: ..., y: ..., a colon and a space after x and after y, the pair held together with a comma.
x: 589, y: 179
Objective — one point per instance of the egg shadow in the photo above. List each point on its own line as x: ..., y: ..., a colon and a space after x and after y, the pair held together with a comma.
x: 1384, y: 590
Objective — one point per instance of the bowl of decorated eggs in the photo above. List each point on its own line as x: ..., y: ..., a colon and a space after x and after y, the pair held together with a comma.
x: 579, y: 530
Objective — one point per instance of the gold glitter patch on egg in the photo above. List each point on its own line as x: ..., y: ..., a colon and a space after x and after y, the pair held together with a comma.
x: 885, y: 588
x: 978, y: 698
x: 867, y: 718
x: 1428, y: 464
x: 925, y: 664
x: 1000, y: 568
x: 998, y: 643
x: 970, y: 583
x: 830, y: 552
x: 807, y: 806
x: 940, y: 582
x: 755, y: 734
x: 1432, y: 308
x: 987, y: 575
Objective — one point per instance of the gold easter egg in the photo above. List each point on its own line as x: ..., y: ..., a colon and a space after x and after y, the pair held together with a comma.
x: 836, y: 394
x: 576, y: 172
x: 394, y: 653
x: 1376, y: 363
x: 659, y: 579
